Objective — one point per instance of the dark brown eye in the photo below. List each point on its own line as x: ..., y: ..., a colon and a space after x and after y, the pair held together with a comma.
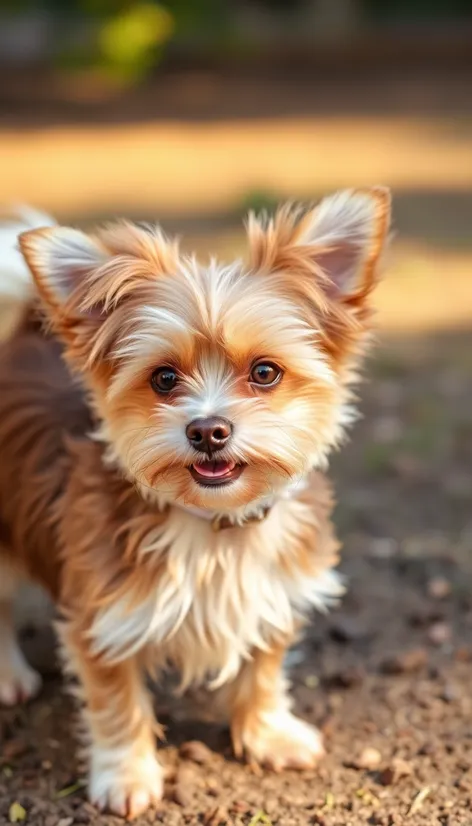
x: 265, y: 374
x: 163, y: 380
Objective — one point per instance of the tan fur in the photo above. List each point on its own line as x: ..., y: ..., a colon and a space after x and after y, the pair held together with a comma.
x: 108, y: 523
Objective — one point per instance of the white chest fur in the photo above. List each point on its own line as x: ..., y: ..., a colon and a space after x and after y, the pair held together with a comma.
x: 217, y: 595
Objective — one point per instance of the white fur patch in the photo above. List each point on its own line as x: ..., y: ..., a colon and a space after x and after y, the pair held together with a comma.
x: 122, y: 780
x: 344, y: 224
x: 283, y: 740
x: 16, y: 283
x: 347, y: 215
x: 61, y: 255
x: 18, y: 681
x: 220, y: 596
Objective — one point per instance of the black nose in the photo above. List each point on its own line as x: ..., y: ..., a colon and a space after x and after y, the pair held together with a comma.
x: 209, y: 435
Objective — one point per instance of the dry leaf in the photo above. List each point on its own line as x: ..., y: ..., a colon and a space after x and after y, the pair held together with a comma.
x: 68, y: 790
x: 418, y: 800
x: 260, y: 817
x: 16, y: 813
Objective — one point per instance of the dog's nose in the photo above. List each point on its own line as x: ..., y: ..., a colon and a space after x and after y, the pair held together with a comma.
x: 209, y: 435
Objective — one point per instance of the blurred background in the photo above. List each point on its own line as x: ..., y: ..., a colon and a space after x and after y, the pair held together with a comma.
x: 190, y: 112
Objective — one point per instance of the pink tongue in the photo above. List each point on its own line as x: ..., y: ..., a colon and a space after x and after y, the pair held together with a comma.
x: 214, y: 468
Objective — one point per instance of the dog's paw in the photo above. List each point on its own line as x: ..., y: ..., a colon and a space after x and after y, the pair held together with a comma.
x: 124, y: 783
x: 18, y: 681
x: 280, y: 740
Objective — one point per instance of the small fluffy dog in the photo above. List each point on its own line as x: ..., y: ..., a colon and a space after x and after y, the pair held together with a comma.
x: 161, y: 440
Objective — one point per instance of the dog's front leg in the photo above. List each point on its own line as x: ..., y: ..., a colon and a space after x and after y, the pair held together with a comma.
x: 125, y: 775
x: 262, y: 725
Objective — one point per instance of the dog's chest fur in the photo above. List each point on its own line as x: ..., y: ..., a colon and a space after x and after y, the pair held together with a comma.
x: 217, y: 596
x: 197, y: 599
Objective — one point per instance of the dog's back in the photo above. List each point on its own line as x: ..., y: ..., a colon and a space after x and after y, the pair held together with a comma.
x: 40, y: 407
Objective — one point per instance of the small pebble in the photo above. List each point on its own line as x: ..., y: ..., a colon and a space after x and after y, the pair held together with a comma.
x: 212, y: 787
x: 383, y: 548
x: 195, y: 751
x: 215, y: 817
x: 397, y: 769
x: 439, y: 588
x: 405, y: 662
x: 449, y: 694
x: 241, y: 807
x: 271, y: 805
x: 349, y: 677
x: 181, y: 795
x: 368, y: 759
x: 439, y: 633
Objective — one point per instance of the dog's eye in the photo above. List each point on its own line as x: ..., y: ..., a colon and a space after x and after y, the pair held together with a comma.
x: 265, y: 374
x: 163, y: 380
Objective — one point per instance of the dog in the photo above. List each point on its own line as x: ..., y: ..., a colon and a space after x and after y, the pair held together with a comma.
x: 164, y: 432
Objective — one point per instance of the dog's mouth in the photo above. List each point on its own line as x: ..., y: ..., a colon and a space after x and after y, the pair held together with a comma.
x: 215, y: 472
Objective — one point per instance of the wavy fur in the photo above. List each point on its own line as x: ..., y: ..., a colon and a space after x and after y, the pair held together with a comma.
x: 96, y: 499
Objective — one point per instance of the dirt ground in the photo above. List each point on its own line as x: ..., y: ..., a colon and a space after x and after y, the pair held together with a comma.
x: 388, y: 675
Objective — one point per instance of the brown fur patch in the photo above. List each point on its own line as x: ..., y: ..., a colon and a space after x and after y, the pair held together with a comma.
x: 140, y: 580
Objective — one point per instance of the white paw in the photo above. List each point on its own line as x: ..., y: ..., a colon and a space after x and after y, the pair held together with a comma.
x: 18, y: 681
x: 279, y: 740
x: 123, y: 782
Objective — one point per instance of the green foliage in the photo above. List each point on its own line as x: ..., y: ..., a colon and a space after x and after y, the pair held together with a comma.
x: 129, y: 38
x: 204, y: 16
x: 259, y: 200
x: 129, y: 42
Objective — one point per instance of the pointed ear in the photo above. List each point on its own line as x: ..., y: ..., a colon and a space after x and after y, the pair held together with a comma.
x: 338, y: 244
x: 347, y: 233
x: 60, y: 258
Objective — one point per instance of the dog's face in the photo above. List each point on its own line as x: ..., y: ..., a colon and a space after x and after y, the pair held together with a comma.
x: 216, y: 386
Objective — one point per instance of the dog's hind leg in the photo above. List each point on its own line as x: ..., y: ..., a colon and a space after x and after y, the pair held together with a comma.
x: 18, y: 681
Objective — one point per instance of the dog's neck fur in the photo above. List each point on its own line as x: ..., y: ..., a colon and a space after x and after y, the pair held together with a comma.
x: 255, y: 512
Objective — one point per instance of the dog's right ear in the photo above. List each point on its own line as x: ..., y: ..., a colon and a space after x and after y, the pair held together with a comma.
x: 84, y: 279
x: 61, y: 259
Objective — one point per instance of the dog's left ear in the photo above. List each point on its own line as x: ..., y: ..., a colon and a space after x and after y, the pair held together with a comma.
x: 84, y: 279
x: 61, y: 259
x: 338, y: 243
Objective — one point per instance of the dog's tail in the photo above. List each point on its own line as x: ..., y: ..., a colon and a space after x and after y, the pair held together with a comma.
x: 16, y: 284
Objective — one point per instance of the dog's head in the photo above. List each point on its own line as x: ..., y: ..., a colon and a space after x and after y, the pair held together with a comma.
x: 218, y: 385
